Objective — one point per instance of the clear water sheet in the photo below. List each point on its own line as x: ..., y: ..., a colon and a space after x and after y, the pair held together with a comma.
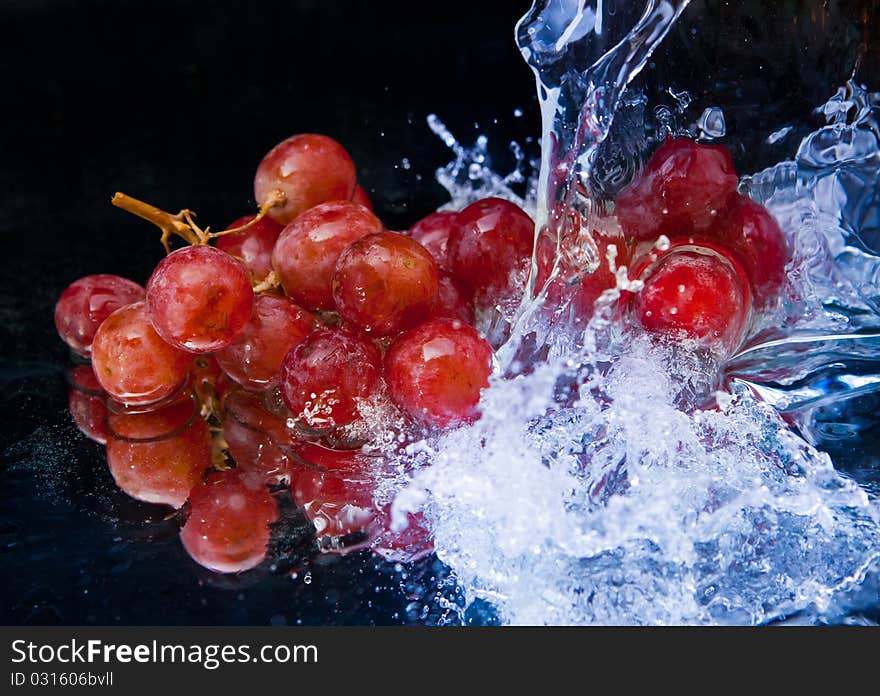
x: 624, y: 481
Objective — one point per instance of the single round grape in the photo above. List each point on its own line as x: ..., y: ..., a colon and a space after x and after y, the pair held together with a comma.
x: 227, y: 530
x: 694, y: 293
x: 453, y: 301
x: 254, y: 357
x: 199, y: 298
x: 306, y: 252
x: 132, y: 362
x: 754, y: 237
x: 325, y: 376
x: 253, y: 246
x: 490, y: 249
x: 362, y: 198
x: 684, y: 188
x: 435, y: 372
x: 385, y: 283
x: 309, y: 169
x: 89, y: 301
x: 160, y: 455
x: 88, y: 405
x: 432, y: 232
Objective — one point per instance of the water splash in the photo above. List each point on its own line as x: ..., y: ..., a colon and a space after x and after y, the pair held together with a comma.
x: 593, y: 490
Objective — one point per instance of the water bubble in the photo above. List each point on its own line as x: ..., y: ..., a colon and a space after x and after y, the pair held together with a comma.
x: 711, y: 123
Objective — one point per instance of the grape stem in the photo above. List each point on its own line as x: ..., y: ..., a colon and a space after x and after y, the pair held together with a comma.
x: 270, y: 282
x: 183, y: 223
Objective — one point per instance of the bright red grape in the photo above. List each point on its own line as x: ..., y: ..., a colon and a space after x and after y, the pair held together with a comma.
x: 199, y: 298
x: 253, y: 246
x: 309, y: 169
x: 89, y: 301
x: 307, y: 250
x: 325, y: 376
x: 696, y: 293
x: 160, y: 455
x: 132, y: 362
x: 385, y: 283
x: 254, y: 357
x: 432, y: 232
x: 227, y: 530
x: 490, y: 249
x: 435, y: 372
x: 684, y: 188
x: 754, y: 237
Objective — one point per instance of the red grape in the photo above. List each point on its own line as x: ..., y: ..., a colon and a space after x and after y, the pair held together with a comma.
x: 432, y: 232
x: 385, y: 283
x: 159, y: 456
x: 227, y: 530
x: 325, y: 376
x: 307, y: 250
x: 309, y: 169
x: 361, y: 198
x: 490, y: 249
x: 254, y: 357
x: 684, y: 188
x: 752, y: 235
x: 199, y: 298
x: 132, y: 363
x: 452, y: 301
x: 253, y: 246
x: 435, y: 372
x: 696, y: 293
x: 88, y: 405
x: 89, y: 301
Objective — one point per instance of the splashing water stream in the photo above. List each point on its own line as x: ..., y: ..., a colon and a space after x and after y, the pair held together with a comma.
x: 593, y: 490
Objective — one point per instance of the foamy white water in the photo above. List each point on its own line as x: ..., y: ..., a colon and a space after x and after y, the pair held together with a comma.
x: 593, y: 490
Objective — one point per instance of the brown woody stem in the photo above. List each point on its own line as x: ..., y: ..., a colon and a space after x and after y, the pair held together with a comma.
x: 165, y: 221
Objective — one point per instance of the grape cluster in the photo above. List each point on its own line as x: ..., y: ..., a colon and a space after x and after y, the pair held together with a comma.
x: 264, y: 357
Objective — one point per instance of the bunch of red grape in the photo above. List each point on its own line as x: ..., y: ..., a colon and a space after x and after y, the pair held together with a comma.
x: 266, y: 355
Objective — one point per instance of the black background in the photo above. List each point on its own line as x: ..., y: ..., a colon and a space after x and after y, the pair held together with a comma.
x: 175, y: 103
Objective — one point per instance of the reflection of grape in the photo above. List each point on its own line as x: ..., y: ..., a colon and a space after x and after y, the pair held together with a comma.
x: 159, y: 456
x: 258, y: 440
x: 338, y: 498
x: 87, y: 403
x: 227, y: 530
